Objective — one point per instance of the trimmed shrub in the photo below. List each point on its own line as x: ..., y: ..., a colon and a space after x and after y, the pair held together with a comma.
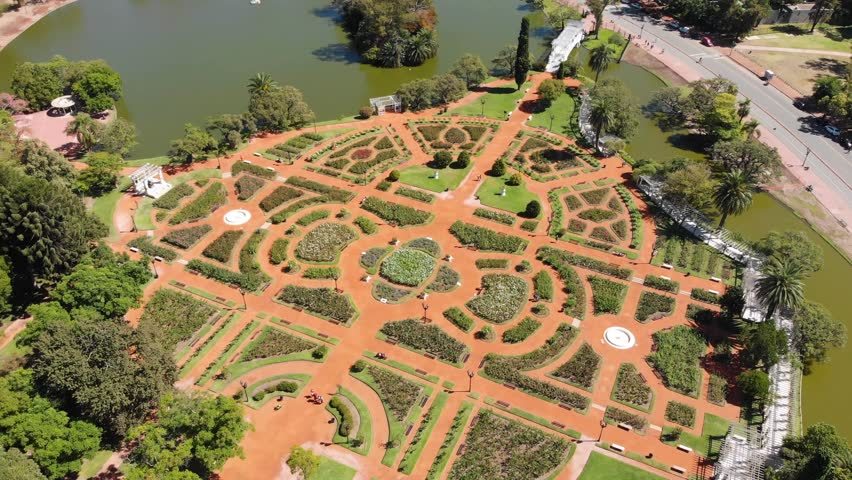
x: 344, y: 426
x: 321, y: 273
x: 705, y: 296
x: 324, y: 302
x: 521, y: 331
x: 395, y: 213
x: 661, y: 283
x: 607, y: 296
x: 239, y: 167
x: 202, y: 206
x: 171, y: 199
x: 358, y: 366
x: 221, y: 248
x: 458, y: 318
x: 312, y: 217
x: 367, y: 226
x: 575, y: 304
x: 441, y: 159
x: 278, y: 251
x: 543, y: 286
x: 415, y: 194
x: 221, y: 274
x: 680, y: 413
x: 585, y: 262
x: 485, y: 239
x: 430, y: 338
x: 279, y: 196
x: 498, y: 217
x: 653, y: 306
x: 581, y: 369
x: 532, y: 210
x: 502, y: 298
x: 324, y: 243
x: 491, y: 263
x: 425, y: 245
x: 146, y: 246
x: 617, y: 415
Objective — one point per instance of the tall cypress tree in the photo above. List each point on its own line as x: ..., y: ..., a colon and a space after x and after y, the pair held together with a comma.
x: 522, y: 59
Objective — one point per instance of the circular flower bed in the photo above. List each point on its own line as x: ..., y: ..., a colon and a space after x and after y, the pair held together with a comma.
x: 407, y: 267
x: 455, y: 136
x: 362, y: 154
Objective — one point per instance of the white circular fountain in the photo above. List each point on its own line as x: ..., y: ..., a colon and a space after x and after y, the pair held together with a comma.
x: 237, y: 217
x: 619, y: 337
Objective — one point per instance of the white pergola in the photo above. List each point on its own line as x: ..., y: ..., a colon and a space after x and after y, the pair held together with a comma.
x: 388, y: 103
x: 561, y: 47
x: 65, y: 104
x: 148, y: 180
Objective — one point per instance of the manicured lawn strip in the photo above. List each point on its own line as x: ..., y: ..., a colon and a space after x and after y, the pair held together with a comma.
x: 238, y: 369
x: 402, y: 367
x: 515, y: 201
x: 91, y: 466
x: 365, y: 428
x: 142, y: 216
x: 713, y: 431
x: 202, y: 293
x: 229, y: 352
x: 104, y: 206
x: 602, y: 467
x: 418, y: 443
x: 422, y: 176
x: 562, y: 110
x: 205, y: 347
x: 500, y: 448
x: 498, y: 101
x: 300, y: 379
x: 307, y: 331
x: 329, y: 469
x: 203, y: 205
x: 396, y: 428
x: 487, y: 240
x: 448, y: 447
x: 533, y: 418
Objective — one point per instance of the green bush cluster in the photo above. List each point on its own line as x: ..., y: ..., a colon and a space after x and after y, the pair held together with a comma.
x: 367, y: 226
x: 498, y: 217
x: 572, y: 202
x: 415, y: 194
x: 680, y: 413
x: 446, y: 280
x: 458, y: 318
x: 362, y: 167
x: 581, y: 369
x: 324, y: 302
x: 607, y: 296
x: 272, y: 342
x: 575, y: 303
x: 543, y: 286
x: 521, y: 331
x: 221, y: 248
x: 529, y: 225
x: 324, y: 243
x: 502, y: 298
x: 171, y: 199
x: 278, y: 251
x: 584, y: 262
x: 247, y: 186
x: 146, y: 246
x: 491, y: 263
x: 279, y: 196
x: 321, y: 273
x: 485, y: 239
x: 175, y: 316
x: 408, y: 267
x: 415, y: 334
x: 635, y: 215
x: 397, y: 393
x: 331, y: 193
x: 653, y: 306
x: 344, y: 426
x: 214, y: 197
x: 631, y: 388
x: 312, y: 217
x: 617, y: 415
x: 661, y: 283
x: 603, y: 234
x: 577, y: 226
x: 425, y: 245
x: 705, y: 296
x: 221, y: 274
x: 595, y: 197
x: 717, y: 391
x: 394, y: 213
x: 391, y: 293
x: 239, y: 167
x: 677, y: 354
x: 370, y: 258
x: 596, y: 215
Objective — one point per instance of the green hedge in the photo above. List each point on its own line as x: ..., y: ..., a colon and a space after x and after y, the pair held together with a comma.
x: 146, y: 246
x: 171, y: 199
x: 202, y: 206
x: 607, y: 296
x: 543, y: 286
x: 661, y: 283
x: 395, y: 213
x: 677, y: 355
x: 239, y: 167
x: 498, y: 217
x: 705, y: 296
x: 220, y: 274
x: 654, y: 305
x: 680, y: 413
x: 585, y: 262
x: 485, y: 239
x: 221, y: 248
x: 458, y: 318
x: 521, y: 331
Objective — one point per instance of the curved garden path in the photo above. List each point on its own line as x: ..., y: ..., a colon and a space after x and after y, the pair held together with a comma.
x: 297, y: 422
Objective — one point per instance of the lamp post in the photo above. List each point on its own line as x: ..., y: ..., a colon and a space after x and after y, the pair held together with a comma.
x: 482, y: 110
x: 336, y: 277
x: 807, y: 153
x: 425, y: 310
x: 243, y: 293
x: 244, y: 384
x: 603, y: 425
x: 552, y: 116
x: 469, y: 380
x: 154, y: 265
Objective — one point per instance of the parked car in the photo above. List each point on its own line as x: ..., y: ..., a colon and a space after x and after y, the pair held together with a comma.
x: 832, y: 130
x: 707, y: 41
x: 801, y: 105
x: 685, y: 30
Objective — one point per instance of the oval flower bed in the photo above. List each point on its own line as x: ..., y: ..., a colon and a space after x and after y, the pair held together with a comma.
x: 324, y: 243
x: 503, y: 297
x: 407, y: 267
x: 362, y: 154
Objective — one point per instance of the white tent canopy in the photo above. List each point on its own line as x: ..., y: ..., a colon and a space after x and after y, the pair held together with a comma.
x: 64, y: 103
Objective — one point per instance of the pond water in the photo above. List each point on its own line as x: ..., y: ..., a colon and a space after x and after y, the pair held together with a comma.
x: 183, y: 60
x: 825, y: 390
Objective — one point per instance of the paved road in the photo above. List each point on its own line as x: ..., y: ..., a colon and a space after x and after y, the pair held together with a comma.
x: 796, y: 129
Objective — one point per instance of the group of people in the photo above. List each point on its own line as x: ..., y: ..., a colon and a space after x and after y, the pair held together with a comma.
x: 315, y: 398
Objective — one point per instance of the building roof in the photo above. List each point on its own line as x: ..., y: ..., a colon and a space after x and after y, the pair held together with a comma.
x: 387, y: 100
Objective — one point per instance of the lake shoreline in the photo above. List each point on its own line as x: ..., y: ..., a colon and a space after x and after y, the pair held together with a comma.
x: 17, y: 22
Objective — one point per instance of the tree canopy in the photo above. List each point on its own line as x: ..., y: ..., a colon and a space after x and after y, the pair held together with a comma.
x: 763, y: 344
x: 815, y: 332
x: 93, y: 83
x: 15, y: 465
x: 101, y: 176
x: 279, y: 109
x: 196, y: 144
x: 794, y: 246
x: 819, y: 453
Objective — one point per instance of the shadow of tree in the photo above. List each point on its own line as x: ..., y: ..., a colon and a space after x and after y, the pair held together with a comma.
x: 834, y: 65
x: 337, y: 52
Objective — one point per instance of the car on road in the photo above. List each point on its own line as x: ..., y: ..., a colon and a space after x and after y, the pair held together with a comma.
x: 685, y: 30
x: 674, y: 24
x: 801, y: 105
x: 832, y: 130
x: 707, y: 41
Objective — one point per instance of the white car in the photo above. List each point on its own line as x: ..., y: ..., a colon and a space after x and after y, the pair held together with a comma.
x: 832, y: 130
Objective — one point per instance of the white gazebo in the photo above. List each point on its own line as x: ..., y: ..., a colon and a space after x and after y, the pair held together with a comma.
x: 561, y: 47
x: 64, y: 104
x: 388, y: 103
x: 148, y: 180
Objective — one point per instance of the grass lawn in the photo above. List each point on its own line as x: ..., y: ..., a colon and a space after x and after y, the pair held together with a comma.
x: 423, y: 177
x: 516, y: 199
x: 163, y: 160
x: 562, y: 110
x: 412, y: 455
x: 604, y: 35
x: 365, y: 428
x: 104, y: 206
x: 800, y: 70
x: 91, y: 466
x: 798, y: 36
x: 712, y: 433
x: 601, y: 467
x: 498, y: 101
x: 143, y: 216
x: 331, y: 470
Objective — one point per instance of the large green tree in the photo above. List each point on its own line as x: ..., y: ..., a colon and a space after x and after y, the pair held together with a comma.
x: 522, y: 53
x: 230, y: 129
x: 448, y: 88
x: 85, y: 128
x: 98, y: 89
x: 503, y: 64
x: 40, y: 161
x: 15, y: 465
x: 550, y: 90
x: 101, y: 175
x: 751, y: 156
x: 196, y: 144
x: 763, y: 344
x: 192, y: 433
x: 613, y: 111
x: 469, y: 68
x: 31, y: 423
x: 820, y: 453
x: 37, y: 83
x: 46, y: 228
x: 793, y: 246
x: 303, y: 461
x: 117, y: 136
x: 109, y: 290
x: 600, y: 58
x: 105, y: 370
x: 815, y: 332
x: 418, y: 94
x: 279, y: 109
x: 692, y: 185
x: 733, y: 194
x: 597, y: 8
x: 781, y: 285
x: 755, y: 386
x: 6, y: 299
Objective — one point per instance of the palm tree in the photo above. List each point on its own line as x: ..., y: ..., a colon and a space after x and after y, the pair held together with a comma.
x: 601, y: 116
x: 85, y: 128
x: 781, y: 285
x: 421, y: 47
x: 261, y: 83
x: 600, y: 58
x: 733, y: 194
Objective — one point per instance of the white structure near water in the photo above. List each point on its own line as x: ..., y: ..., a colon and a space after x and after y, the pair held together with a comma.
x: 567, y: 41
x: 148, y: 180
